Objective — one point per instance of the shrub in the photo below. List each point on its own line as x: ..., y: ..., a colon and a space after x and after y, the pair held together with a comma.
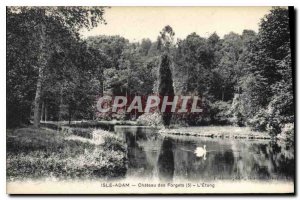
x: 237, y: 111
x: 93, y: 124
x: 150, y: 119
x: 280, y: 111
x: 99, y: 135
x: 260, y: 121
x: 287, y: 133
x: 179, y: 120
x: 220, y: 112
x: 113, y: 143
x: 82, y: 132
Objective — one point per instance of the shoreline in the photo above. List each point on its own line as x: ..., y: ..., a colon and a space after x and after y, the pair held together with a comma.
x: 227, y: 132
x: 222, y: 132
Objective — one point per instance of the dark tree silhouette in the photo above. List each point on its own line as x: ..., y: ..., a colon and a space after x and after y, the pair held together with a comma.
x: 165, y: 87
x: 166, y: 161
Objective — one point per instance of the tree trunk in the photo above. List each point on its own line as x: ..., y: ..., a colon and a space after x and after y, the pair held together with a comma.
x: 223, y: 88
x: 46, y: 113
x: 60, y: 104
x: 42, y: 61
x: 37, y: 101
x: 43, y: 111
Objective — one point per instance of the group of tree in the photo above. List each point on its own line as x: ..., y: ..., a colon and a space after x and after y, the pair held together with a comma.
x: 51, y: 73
x: 245, y: 79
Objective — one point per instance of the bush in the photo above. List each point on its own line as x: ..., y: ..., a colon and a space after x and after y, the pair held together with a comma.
x: 99, y: 135
x: 93, y: 124
x: 194, y: 118
x: 237, y: 111
x: 82, y: 132
x: 150, y: 119
x: 259, y: 122
x: 287, y: 133
x: 179, y: 120
x: 113, y: 143
x: 220, y: 112
x: 280, y: 111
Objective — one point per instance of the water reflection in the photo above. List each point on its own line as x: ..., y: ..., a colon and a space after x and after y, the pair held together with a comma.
x: 166, y: 160
x: 181, y: 157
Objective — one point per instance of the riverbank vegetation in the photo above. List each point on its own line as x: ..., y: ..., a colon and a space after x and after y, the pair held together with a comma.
x: 43, y: 153
x: 228, y: 132
x: 244, y: 79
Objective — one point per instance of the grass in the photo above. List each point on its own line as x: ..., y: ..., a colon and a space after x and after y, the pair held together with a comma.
x: 217, y: 131
x: 39, y: 153
x: 105, y: 125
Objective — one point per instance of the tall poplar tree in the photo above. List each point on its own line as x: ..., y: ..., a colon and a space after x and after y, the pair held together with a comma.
x: 165, y: 87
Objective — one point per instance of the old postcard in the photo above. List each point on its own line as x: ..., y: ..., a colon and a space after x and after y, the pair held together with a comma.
x: 150, y: 100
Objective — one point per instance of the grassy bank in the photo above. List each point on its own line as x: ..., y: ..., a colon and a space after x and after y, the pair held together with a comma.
x: 40, y: 153
x: 105, y: 125
x: 217, y: 132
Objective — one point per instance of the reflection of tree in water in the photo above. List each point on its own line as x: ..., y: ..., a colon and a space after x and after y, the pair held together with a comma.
x: 151, y: 155
x: 143, y: 146
x: 223, y: 164
x: 219, y: 165
x: 135, y: 153
x: 166, y: 160
x: 234, y: 159
x: 283, y: 159
x: 253, y: 161
x: 219, y: 161
x: 265, y: 161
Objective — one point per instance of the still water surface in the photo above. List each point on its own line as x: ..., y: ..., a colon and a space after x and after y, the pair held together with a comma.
x: 172, y: 158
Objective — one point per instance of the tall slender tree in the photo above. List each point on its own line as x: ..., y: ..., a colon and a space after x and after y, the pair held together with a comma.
x: 165, y: 87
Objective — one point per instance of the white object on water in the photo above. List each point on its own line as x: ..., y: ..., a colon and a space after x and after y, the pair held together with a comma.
x: 201, y: 152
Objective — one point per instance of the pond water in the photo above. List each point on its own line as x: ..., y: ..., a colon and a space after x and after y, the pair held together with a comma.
x: 172, y: 158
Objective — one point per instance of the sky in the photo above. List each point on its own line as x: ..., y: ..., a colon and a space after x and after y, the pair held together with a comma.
x: 136, y: 23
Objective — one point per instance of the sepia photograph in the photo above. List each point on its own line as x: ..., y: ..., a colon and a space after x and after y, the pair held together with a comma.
x: 150, y: 100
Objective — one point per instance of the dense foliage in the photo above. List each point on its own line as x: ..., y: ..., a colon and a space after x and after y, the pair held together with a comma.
x: 48, y: 67
x: 244, y: 79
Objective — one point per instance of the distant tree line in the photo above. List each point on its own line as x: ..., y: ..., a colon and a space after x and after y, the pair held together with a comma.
x: 245, y: 79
